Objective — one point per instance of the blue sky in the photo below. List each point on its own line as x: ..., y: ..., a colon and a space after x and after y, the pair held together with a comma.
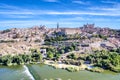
x: 69, y: 13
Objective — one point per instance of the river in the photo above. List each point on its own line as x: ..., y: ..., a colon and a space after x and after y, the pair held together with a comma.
x: 45, y: 72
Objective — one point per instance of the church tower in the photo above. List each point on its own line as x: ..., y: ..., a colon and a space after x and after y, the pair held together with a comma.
x: 57, y: 25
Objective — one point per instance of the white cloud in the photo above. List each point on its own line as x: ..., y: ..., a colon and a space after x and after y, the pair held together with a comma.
x: 44, y: 12
x: 72, y: 18
x: 108, y: 2
x: 81, y: 2
x: 51, y: 0
x: 12, y: 11
x: 77, y: 18
x: 105, y: 8
x: 16, y: 12
x: 19, y: 16
x: 82, y: 13
x: 112, y: 3
x: 10, y: 7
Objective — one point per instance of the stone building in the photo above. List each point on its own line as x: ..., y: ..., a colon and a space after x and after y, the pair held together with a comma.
x: 70, y: 31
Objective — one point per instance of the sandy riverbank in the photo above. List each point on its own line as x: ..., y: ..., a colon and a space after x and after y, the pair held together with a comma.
x: 64, y: 66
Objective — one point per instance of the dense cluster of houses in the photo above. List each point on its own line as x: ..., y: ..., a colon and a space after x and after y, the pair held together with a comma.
x: 28, y: 34
x: 91, y: 43
x: 36, y: 35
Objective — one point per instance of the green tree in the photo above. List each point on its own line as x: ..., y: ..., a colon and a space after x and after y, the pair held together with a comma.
x: 72, y: 56
x: 17, y: 59
x: 57, y: 56
x: 62, y: 51
x: 50, y: 55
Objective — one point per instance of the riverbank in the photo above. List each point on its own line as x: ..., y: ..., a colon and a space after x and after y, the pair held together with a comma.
x: 64, y: 66
x: 73, y: 68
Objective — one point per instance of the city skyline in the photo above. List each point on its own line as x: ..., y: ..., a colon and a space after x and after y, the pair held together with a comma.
x: 68, y: 13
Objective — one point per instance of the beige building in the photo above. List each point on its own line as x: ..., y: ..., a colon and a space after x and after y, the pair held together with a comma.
x: 71, y: 31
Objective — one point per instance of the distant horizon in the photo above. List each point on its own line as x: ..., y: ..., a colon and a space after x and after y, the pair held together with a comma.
x: 4, y: 28
x: 69, y: 13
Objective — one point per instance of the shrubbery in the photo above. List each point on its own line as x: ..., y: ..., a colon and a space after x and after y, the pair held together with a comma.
x: 105, y: 59
x: 72, y: 69
x: 20, y: 59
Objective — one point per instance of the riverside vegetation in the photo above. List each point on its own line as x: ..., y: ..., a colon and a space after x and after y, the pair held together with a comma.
x: 106, y: 60
x: 99, y: 59
x: 20, y: 59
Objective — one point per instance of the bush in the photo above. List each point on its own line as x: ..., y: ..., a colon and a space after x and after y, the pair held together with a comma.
x: 72, y: 69
x: 96, y: 69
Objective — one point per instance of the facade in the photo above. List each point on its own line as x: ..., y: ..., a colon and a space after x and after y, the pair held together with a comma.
x: 70, y: 31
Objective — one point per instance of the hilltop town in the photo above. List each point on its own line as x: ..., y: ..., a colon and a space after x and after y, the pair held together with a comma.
x: 77, y: 47
x: 88, y: 38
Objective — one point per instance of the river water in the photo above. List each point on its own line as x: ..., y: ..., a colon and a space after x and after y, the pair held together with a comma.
x: 44, y: 72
